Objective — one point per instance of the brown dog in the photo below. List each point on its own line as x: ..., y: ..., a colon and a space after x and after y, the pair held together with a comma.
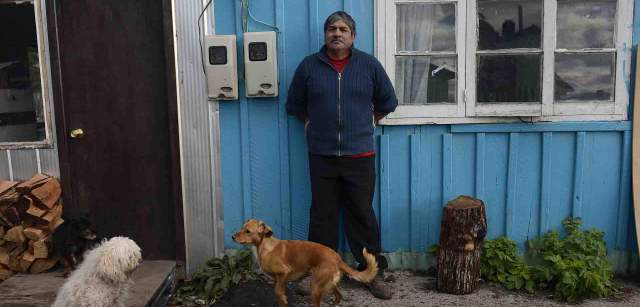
x: 289, y: 260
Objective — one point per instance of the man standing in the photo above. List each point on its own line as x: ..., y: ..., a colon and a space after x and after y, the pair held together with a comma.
x: 339, y: 93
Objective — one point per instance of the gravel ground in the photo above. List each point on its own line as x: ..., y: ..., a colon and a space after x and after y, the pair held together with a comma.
x: 414, y: 289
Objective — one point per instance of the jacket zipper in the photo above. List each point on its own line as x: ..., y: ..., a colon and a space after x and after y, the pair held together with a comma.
x: 339, y: 115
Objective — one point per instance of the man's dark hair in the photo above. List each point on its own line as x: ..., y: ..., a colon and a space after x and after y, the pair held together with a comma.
x: 340, y: 15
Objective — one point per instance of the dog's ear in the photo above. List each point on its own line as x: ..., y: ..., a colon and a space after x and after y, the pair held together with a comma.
x: 265, y: 230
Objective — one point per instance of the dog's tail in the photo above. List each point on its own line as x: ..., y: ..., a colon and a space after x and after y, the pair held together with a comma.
x: 366, y: 275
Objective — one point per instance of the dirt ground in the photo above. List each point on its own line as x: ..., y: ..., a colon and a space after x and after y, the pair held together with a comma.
x: 418, y: 289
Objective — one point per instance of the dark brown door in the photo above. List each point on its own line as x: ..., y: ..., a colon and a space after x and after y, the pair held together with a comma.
x: 113, y: 69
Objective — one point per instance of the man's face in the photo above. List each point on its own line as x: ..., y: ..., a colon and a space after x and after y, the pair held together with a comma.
x: 338, y: 36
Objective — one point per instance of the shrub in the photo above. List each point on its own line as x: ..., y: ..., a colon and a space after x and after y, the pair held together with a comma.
x: 575, y: 266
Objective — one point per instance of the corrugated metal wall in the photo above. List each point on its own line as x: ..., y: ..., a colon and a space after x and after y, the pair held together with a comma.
x: 22, y: 164
x: 531, y: 176
x: 198, y: 120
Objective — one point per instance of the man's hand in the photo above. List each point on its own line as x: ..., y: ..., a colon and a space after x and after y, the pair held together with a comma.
x: 378, y: 116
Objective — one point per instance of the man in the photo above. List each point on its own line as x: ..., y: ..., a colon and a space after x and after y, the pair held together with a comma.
x: 340, y: 92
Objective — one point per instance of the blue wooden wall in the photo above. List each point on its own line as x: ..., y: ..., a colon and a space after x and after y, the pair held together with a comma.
x: 530, y: 176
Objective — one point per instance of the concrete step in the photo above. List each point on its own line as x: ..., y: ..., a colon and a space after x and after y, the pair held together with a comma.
x: 153, y: 282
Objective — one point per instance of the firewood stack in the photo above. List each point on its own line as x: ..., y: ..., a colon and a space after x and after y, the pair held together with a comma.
x: 29, y: 213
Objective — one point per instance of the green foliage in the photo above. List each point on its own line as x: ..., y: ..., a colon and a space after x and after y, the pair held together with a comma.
x: 575, y: 267
x: 211, y: 282
x: 500, y: 263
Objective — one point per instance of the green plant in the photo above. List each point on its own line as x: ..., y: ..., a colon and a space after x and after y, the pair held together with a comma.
x: 574, y: 266
x: 218, y: 275
x: 500, y: 263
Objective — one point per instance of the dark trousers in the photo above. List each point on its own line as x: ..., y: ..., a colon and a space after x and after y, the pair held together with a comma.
x: 347, y: 183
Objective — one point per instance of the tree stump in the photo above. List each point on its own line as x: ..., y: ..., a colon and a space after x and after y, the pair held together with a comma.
x: 462, y: 232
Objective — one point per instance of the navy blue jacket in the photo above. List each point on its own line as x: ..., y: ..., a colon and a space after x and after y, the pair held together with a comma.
x: 340, y: 106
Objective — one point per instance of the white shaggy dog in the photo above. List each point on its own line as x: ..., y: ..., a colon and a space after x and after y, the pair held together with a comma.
x: 102, y: 279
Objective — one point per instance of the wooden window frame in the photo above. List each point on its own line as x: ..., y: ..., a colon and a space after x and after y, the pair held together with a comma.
x: 467, y: 111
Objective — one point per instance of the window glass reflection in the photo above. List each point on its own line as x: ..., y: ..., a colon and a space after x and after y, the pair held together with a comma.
x: 509, y: 78
x: 584, y: 77
x: 426, y: 27
x: 586, y: 24
x: 509, y: 24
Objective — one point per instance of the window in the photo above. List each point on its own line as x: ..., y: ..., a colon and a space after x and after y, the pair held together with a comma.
x: 24, y: 78
x: 456, y: 61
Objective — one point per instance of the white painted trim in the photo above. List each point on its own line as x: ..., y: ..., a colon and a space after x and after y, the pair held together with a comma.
x: 548, y: 60
x: 624, y: 21
x: 508, y: 109
x: 583, y: 108
x: 439, y: 109
x: 471, y: 47
x: 467, y: 45
x: 496, y: 120
x: 623, y: 59
x: 386, y: 52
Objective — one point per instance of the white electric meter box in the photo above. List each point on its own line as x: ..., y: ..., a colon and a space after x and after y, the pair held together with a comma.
x: 261, y: 64
x: 221, y: 67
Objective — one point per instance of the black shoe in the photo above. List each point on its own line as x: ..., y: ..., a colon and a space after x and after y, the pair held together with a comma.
x: 379, y: 288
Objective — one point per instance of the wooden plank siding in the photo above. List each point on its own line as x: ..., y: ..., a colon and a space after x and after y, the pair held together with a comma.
x: 530, y: 176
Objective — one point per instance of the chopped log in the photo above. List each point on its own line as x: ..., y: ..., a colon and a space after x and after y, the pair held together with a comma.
x: 42, y: 265
x: 40, y: 249
x: 35, y: 181
x: 9, y: 246
x: 53, y: 214
x: 14, y: 264
x: 35, y: 211
x: 15, y: 234
x: 5, y: 274
x: 4, y: 221
x: 31, y: 221
x: 462, y: 232
x: 28, y: 256
x: 34, y: 234
x: 1, y: 232
x: 17, y: 249
x: 26, y: 261
x: 4, y: 256
x: 9, y: 197
x: 5, y: 186
x: 54, y: 217
x: 48, y: 193
x: 10, y: 216
x: 53, y: 225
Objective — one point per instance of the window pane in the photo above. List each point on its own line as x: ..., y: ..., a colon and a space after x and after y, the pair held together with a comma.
x: 584, y: 77
x: 509, y: 78
x: 586, y: 24
x: 426, y: 79
x: 21, y: 114
x: 509, y: 24
x: 426, y: 27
